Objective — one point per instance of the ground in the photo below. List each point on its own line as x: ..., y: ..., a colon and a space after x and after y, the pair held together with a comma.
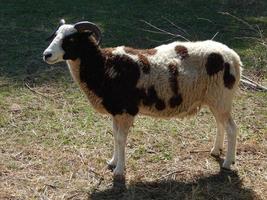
x: 53, y: 145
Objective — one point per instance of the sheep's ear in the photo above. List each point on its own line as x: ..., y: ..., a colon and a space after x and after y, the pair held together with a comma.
x: 61, y: 22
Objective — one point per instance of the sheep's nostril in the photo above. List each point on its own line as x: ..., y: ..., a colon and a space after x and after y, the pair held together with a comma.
x: 47, y: 55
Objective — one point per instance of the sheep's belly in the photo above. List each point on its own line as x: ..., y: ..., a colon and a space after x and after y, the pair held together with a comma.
x: 178, y: 112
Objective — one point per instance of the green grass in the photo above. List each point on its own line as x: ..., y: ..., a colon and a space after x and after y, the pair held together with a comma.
x: 56, y: 146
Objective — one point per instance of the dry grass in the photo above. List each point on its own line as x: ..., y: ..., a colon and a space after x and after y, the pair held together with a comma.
x: 54, y: 148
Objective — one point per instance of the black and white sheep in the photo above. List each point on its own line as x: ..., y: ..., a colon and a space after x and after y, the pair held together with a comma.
x: 172, y: 80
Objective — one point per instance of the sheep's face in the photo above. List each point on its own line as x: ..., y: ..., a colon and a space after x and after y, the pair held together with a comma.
x: 62, y: 42
x: 69, y: 41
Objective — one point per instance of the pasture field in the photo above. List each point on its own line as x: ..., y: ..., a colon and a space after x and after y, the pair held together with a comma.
x: 53, y: 145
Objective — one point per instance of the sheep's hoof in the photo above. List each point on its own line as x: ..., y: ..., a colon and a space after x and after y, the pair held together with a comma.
x: 216, y: 154
x: 119, y: 178
x: 111, y: 167
x: 227, y: 165
x: 226, y: 169
x: 119, y: 182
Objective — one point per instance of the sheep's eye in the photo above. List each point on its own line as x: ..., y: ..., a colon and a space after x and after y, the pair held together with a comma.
x: 72, y: 40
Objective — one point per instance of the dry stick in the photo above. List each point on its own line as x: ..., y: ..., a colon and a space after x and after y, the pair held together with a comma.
x: 169, y: 174
x: 245, y: 77
x: 239, y: 19
x: 257, y: 29
x: 3, y: 84
x: 178, y: 28
x: 163, y: 31
x: 214, y: 35
x: 199, y: 151
x: 35, y: 91
x: 40, y: 93
x: 252, y: 84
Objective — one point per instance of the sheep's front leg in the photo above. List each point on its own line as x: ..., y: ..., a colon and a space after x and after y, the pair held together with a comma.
x: 113, y: 162
x: 123, y: 124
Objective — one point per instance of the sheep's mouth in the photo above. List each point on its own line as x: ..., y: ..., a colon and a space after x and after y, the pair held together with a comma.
x: 51, y: 61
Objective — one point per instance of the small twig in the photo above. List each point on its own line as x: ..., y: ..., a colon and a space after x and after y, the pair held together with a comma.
x: 178, y: 28
x: 239, y: 19
x: 3, y: 84
x: 215, y: 35
x: 151, y: 31
x: 245, y: 77
x: 50, y: 185
x: 72, y: 196
x: 205, y: 19
x: 37, y: 92
x: 199, y: 151
x: 171, y: 173
x: 95, y: 173
x: 252, y: 84
x: 162, y: 41
x: 163, y: 31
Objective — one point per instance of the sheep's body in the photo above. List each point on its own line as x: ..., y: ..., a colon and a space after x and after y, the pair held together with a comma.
x: 195, y: 86
x: 172, y: 80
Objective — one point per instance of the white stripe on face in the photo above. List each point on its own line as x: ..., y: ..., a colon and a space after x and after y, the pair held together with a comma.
x: 54, y: 52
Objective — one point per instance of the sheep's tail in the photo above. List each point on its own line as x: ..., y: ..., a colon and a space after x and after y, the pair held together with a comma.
x: 232, y: 72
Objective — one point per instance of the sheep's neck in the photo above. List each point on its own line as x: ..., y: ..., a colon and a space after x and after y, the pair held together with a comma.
x: 92, y: 68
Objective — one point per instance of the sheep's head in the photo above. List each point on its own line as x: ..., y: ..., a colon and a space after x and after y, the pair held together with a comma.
x: 68, y: 40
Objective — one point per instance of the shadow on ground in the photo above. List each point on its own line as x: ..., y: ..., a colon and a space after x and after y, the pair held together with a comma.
x: 224, y: 185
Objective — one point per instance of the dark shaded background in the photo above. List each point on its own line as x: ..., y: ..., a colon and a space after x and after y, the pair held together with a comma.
x: 25, y: 24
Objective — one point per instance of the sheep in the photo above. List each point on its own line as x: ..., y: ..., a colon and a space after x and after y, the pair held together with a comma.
x: 171, y: 80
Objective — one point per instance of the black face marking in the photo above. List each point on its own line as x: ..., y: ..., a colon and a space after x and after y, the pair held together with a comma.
x: 228, y: 78
x: 214, y: 63
x: 75, y: 44
x: 176, y: 100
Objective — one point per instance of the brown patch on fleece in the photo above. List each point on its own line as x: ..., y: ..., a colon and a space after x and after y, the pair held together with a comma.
x: 182, y: 51
x: 176, y: 99
x: 133, y: 51
x: 145, y: 63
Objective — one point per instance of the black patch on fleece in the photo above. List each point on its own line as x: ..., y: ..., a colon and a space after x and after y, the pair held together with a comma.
x: 214, y: 63
x: 120, y: 93
x: 150, y: 98
x: 228, y: 78
x: 176, y: 99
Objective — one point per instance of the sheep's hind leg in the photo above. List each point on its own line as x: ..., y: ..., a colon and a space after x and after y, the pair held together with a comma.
x: 218, y: 144
x: 231, y: 130
x: 113, y: 162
